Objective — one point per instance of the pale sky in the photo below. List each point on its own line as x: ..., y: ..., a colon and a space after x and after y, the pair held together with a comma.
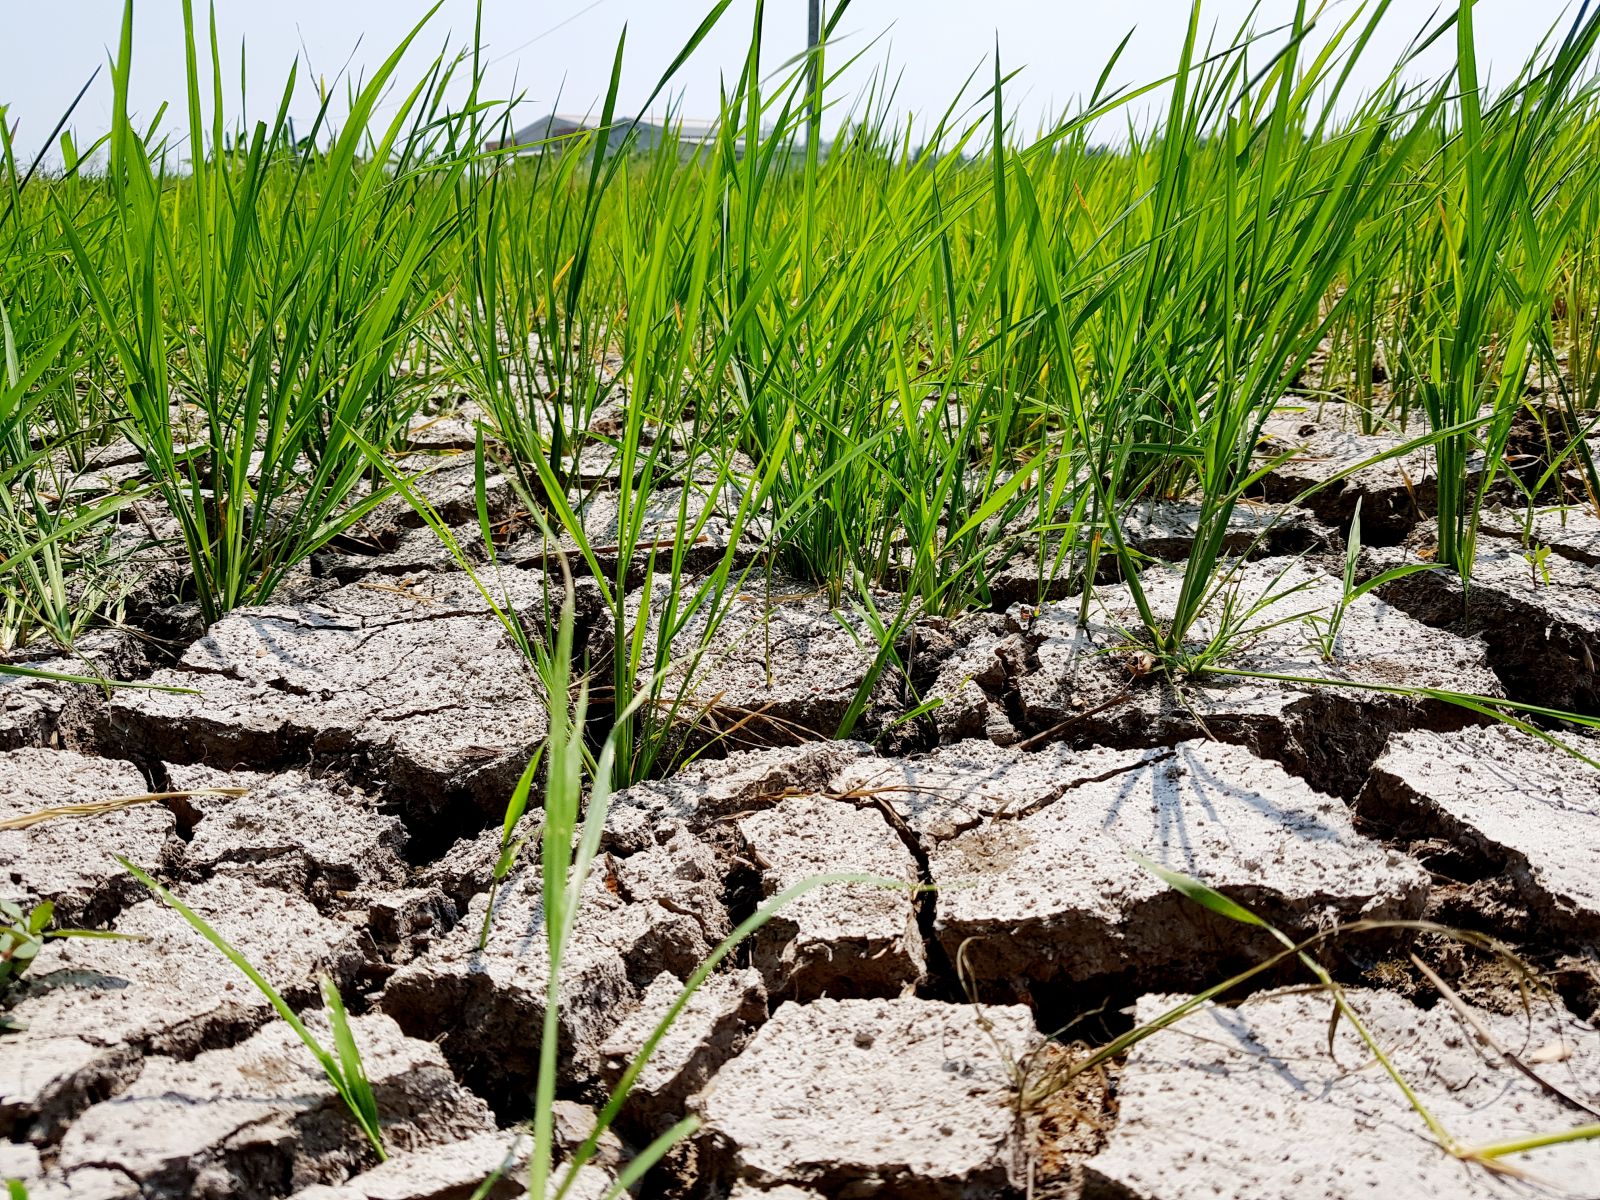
x: 559, y: 52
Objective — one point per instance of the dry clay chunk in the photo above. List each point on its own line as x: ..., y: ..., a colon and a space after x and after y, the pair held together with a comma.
x: 22, y: 1164
x: 1328, y: 733
x: 231, y: 1120
x: 910, y: 1096
x: 710, y: 790
x: 1324, y: 440
x: 314, y: 836
x: 1058, y: 893
x: 90, y: 1009
x: 1540, y: 617
x: 45, y: 712
x: 424, y: 686
x: 779, y: 668
x: 72, y: 861
x: 454, y: 1171
x: 1507, y: 797
x: 1245, y: 1103
x: 480, y: 1004
x: 710, y: 1028
x: 842, y: 938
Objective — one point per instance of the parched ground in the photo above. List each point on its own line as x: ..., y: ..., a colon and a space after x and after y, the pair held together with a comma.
x: 329, y: 798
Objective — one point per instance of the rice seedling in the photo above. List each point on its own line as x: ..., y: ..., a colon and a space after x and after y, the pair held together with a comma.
x: 1513, y: 163
x: 23, y: 934
x: 276, y: 298
x: 919, y: 373
x: 342, y: 1064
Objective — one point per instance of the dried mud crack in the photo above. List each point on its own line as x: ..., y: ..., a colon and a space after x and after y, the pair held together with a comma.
x: 335, y: 790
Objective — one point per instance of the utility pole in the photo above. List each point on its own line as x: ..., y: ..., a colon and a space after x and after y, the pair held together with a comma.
x: 813, y: 37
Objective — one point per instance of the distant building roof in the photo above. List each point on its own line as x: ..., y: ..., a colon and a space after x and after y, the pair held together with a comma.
x: 647, y: 134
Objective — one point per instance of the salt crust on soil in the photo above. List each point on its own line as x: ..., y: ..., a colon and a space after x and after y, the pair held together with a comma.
x: 1326, y: 733
x: 92, y: 1008
x: 1527, y: 808
x: 1245, y: 1103
x: 261, y: 1115
x: 1569, y: 532
x: 422, y: 687
x: 894, y: 1098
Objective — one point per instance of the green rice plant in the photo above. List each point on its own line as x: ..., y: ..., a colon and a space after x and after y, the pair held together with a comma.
x: 510, y: 844
x: 342, y: 1064
x: 276, y: 297
x: 1325, y: 628
x: 1288, y: 214
x: 569, y: 842
x: 1505, y: 235
x: 49, y: 587
x: 23, y: 933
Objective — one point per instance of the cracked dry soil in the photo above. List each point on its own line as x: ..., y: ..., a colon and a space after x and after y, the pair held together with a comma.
x: 333, y: 802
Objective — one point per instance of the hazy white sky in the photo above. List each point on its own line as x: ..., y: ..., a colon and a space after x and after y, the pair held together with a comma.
x: 560, y: 51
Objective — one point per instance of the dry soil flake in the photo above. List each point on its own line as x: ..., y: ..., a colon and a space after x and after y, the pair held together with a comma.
x: 780, y: 666
x: 842, y: 939
x: 657, y: 911
x: 260, y: 1119
x: 709, y: 791
x: 320, y: 838
x: 889, y: 1098
x: 712, y: 1027
x: 1538, y: 614
x: 1323, y: 442
x: 421, y: 685
x: 1528, y: 809
x: 1091, y: 687
x: 72, y: 861
x: 46, y: 712
x: 91, y: 1009
x: 1245, y: 1103
x: 1032, y: 855
x: 490, y: 1166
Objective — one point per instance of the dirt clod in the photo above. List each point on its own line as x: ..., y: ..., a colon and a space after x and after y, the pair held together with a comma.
x: 1240, y: 1103
x: 260, y: 1118
x: 910, y: 1098
x: 1513, y: 805
x: 72, y: 860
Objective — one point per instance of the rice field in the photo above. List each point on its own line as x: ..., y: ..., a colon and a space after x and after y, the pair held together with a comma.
x: 1015, y: 662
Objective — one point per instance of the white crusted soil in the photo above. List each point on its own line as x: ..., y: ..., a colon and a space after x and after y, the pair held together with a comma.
x: 92, y: 1008
x: 1058, y: 893
x: 261, y: 1118
x: 1529, y: 809
x: 72, y: 861
x: 906, y: 1097
x: 840, y: 939
x: 424, y: 688
x: 1246, y: 1103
